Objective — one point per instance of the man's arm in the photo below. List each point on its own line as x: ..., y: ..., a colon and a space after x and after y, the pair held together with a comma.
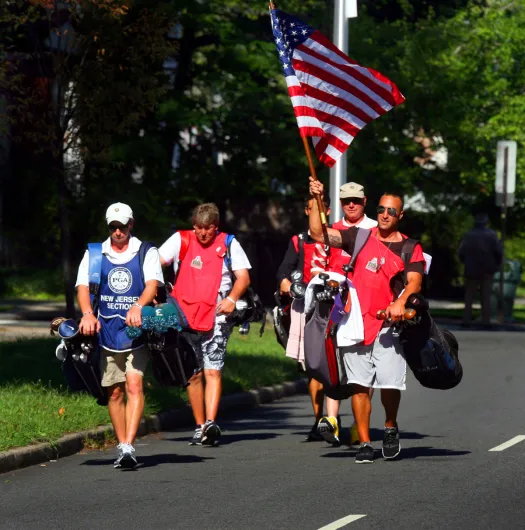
x: 288, y: 265
x: 314, y: 219
x: 89, y: 324
x: 396, y: 310
x: 242, y: 282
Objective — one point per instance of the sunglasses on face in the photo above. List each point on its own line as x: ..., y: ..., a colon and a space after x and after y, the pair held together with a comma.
x: 113, y: 228
x: 391, y: 211
x: 355, y: 200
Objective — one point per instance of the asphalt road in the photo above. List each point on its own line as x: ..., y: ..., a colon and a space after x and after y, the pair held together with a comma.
x: 264, y: 477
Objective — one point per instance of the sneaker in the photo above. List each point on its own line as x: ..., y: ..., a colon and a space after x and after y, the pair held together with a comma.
x: 354, y: 434
x: 197, y: 436
x: 391, y: 445
x: 313, y: 435
x: 328, y: 428
x: 125, y: 456
x: 365, y: 454
x: 210, y: 433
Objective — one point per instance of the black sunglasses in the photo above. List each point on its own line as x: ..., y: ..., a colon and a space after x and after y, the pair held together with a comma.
x: 391, y: 211
x: 355, y: 200
x: 113, y: 228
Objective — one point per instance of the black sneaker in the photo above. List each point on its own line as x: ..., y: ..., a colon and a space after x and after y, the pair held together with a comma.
x: 313, y: 435
x: 365, y: 454
x: 391, y: 445
x: 197, y: 436
x: 210, y: 433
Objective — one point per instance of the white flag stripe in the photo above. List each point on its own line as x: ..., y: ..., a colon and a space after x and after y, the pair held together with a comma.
x: 343, y: 76
x: 315, y: 82
x: 337, y: 132
x: 291, y: 80
x: 333, y: 152
x: 337, y: 111
x: 323, y: 50
x: 308, y: 121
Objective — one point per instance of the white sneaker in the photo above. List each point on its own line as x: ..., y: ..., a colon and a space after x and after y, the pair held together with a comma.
x: 125, y: 456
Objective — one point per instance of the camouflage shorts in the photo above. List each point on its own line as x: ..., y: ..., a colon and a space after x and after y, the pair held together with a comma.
x: 211, y: 347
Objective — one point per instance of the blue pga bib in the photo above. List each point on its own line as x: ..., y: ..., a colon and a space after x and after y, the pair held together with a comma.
x: 120, y: 287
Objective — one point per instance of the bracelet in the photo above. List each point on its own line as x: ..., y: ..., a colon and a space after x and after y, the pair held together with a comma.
x: 231, y: 300
x: 138, y: 305
x: 87, y: 313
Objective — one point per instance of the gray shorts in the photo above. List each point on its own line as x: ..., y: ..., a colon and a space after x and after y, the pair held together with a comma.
x: 116, y: 365
x: 211, y: 347
x: 378, y: 365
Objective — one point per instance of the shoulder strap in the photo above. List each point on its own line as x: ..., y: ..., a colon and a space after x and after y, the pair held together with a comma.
x: 184, y: 245
x: 407, y: 250
x: 300, y: 250
x: 143, y: 250
x: 228, y: 257
x: 360, y: 241
x: 95, y: 269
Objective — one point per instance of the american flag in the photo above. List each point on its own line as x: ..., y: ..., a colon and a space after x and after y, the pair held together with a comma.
x: 333, y: 97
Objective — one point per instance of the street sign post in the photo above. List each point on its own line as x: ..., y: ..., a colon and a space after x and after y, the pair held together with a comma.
x: 505, y: 189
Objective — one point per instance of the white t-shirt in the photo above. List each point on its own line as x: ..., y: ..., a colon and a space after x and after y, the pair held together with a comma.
x: 170, y: 250
x: 365, y: 222
x: 152, y: 268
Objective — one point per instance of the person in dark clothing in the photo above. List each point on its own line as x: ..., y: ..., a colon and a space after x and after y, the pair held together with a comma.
x: 310, y: 258
x: 481, y: 252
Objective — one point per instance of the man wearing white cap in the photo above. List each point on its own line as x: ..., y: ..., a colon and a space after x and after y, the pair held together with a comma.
x: 353, y: 202
x: 124, y: 290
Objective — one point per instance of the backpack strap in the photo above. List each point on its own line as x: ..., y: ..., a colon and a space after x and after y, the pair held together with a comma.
x: 407, y: 250
x: 301, y: 238
x: 95, y: 270
x: 228, y: 256
x: 360, y: 241
x: 184, y: 245
x: 144, y: 248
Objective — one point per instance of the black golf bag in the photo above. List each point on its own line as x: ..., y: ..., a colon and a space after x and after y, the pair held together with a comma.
x: 80, y: 356
x: 430, y: 352
x: 173, y: 359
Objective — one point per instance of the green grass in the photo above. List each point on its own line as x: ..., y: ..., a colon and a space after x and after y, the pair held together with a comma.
x: 36, y: 405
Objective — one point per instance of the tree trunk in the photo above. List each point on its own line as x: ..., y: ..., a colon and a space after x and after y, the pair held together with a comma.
x: 65, y: 237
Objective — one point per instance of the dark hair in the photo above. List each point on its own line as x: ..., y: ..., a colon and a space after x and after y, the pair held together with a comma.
x: 326, y: 201
x: 396, y: 195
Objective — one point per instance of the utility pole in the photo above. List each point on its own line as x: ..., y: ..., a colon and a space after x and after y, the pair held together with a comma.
x: 343, y: 10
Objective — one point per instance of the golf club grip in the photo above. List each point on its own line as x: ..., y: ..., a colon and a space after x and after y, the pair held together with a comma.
x: 408, y: 315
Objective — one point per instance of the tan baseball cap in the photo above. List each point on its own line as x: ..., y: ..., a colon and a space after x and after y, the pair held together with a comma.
x: 351, y: 189
x: 119, y: 212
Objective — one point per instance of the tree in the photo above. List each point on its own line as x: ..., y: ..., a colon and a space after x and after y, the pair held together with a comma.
x: 75, y: 76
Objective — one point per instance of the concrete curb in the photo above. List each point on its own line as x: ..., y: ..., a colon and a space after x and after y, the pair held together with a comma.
x: 73, y: 443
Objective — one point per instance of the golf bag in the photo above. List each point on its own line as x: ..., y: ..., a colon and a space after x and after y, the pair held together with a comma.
x: 281, y: 319
x: 430, y: 352
x: 173, y: 359
x: 80, y: 356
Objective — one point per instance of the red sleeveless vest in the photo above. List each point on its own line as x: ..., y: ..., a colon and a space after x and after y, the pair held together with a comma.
x: 338, y: 257
x: 308, y: 253
x: 373, y: 288
x: 199, y: 280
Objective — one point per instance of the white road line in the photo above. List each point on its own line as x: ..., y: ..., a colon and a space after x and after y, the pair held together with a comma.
x: 511, y: 442
x: 342, y: 522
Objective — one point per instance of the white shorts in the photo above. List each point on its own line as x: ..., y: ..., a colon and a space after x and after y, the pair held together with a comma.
x: 378, y: 365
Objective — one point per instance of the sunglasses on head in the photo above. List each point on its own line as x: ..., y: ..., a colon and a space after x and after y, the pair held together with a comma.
x: 391, y: 211
x: 113, y: 228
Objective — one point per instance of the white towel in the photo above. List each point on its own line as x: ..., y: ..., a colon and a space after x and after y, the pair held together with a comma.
x: 351, y: 329
x: 295, y: 344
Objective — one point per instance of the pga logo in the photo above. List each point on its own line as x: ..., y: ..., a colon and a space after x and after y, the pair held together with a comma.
x: 120, y: 280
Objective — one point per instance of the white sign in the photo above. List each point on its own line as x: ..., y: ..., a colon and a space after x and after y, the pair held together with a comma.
x: 511, y: 167
x: 351, y: 8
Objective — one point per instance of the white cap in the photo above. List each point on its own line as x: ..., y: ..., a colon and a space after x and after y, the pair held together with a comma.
x: 119, y: 212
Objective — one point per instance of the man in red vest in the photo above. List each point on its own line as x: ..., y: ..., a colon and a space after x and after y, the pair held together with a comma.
x: 207, y: 289
x: 377, y: 362
x: 310, y: 258
x: 353, y: 202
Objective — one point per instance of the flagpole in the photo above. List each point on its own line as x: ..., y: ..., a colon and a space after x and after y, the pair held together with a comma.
x: 313, y: 173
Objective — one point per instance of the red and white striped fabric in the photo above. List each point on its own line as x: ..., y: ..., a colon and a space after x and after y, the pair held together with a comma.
x: 333, y: 97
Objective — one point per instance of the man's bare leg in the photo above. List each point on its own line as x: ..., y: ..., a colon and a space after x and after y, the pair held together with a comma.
x: 212, y: 392
x: 390, y: 398
x: 361, y: 407
x: 134, y: 405
x: 315, y: 389
x: 196, y: 397
x: 117, y: 410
